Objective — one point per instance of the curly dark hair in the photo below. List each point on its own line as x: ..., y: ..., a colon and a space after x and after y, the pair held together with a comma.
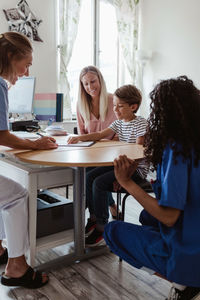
x: 174, y: 120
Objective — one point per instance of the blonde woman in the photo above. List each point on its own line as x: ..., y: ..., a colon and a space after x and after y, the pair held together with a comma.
x: 95, y: 109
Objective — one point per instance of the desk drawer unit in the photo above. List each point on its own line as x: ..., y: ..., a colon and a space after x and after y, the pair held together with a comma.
x: 54, y: 213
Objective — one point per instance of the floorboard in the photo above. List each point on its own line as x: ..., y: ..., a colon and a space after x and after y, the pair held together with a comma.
x: 99, y: 278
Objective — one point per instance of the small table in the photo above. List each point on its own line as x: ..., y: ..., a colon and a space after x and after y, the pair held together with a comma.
x: 101, y: 153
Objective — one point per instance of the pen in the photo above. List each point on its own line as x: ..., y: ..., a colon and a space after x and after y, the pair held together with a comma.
x: 38, y: 133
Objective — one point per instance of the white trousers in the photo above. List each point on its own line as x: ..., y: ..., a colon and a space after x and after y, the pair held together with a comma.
x: 13, y: 216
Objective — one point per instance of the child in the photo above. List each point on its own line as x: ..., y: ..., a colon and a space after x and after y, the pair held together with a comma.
x: 168, y: 242
x: 99, y: 181
x: 15, y: 60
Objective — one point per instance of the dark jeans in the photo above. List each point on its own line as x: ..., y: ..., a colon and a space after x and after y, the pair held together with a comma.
x: 99, y: 182
x: 111, y: 201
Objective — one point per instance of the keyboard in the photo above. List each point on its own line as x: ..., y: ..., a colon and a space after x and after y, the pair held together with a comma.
x: 25, y: 134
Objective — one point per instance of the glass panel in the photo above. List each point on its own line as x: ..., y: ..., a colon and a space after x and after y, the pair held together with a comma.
x: 110, y: 58
x: 82, y: 51
x: 108, y: 44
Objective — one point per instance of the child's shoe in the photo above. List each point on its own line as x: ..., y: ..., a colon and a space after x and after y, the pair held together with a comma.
x: 94, y: 239
x: 89, y: 228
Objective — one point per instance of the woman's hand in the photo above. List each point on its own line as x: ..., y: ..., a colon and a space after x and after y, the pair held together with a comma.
x: 124, y: 168
x: 45, y: 143
x: 74, y: 139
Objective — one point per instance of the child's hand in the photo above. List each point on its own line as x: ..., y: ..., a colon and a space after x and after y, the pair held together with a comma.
x: 73, y: 139
x: 124, y: 168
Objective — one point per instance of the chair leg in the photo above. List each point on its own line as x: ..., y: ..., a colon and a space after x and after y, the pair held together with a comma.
x: 123, y: 208
x: 118, y: 203
x: 123, y: 205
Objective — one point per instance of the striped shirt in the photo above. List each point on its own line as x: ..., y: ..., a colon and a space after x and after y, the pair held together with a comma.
x: 128, y: 132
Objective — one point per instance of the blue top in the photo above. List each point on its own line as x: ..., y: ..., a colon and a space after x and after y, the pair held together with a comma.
x: 178, y: 186
x: 4, y: 124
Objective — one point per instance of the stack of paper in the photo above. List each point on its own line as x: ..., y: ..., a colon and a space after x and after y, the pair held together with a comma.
x: 55, y: 130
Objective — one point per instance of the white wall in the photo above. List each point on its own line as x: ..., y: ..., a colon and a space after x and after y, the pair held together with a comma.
x: 44, y: 57
x: 170, y: 29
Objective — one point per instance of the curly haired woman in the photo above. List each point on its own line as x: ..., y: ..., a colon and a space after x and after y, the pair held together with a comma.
x: 168, y: 241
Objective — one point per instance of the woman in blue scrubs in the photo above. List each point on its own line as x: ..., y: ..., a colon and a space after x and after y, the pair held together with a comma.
x: 168, y: 240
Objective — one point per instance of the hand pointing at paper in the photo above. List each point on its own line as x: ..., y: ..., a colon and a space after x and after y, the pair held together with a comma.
x: 74, y: 139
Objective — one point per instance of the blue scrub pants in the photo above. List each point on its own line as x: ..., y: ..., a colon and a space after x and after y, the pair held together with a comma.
x: 133, y: 243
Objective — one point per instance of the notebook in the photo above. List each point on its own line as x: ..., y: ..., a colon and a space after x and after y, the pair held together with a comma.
x: 79, y: 144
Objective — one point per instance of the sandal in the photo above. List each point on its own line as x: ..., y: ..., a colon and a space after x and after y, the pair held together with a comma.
x: 27, y: 280
x: 4, y: 257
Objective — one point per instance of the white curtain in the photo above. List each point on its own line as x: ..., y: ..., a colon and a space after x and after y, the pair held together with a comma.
x: 127, y: 24
x: 69, y: 11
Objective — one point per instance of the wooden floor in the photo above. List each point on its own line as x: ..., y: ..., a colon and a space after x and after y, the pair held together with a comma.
x: 99, y: 278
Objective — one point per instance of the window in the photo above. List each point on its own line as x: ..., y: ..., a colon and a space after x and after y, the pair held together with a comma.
x: 108, y: 45
x: 97, y: 44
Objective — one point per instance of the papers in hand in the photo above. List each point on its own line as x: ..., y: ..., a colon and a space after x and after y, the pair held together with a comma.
x: 79, y: 144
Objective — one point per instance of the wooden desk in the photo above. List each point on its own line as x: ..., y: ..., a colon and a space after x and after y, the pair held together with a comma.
x: 101, y: 153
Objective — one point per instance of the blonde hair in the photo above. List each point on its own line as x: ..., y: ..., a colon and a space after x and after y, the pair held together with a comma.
x: 13, y: 45
x: 84, y: 103
x: 129, y: 94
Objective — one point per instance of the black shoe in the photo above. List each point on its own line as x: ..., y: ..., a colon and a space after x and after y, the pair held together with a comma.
x: 94, y: 239
x: 188, y: 293
x: 89, y: 228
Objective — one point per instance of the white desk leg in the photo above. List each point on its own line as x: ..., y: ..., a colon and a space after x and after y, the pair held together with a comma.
x: 79, y: 211
x: 32, y: 190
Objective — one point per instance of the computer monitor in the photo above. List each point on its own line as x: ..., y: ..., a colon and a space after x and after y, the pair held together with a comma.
x: 21, y: 96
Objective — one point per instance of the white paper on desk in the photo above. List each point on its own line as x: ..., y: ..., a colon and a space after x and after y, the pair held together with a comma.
x: 79, y: 144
